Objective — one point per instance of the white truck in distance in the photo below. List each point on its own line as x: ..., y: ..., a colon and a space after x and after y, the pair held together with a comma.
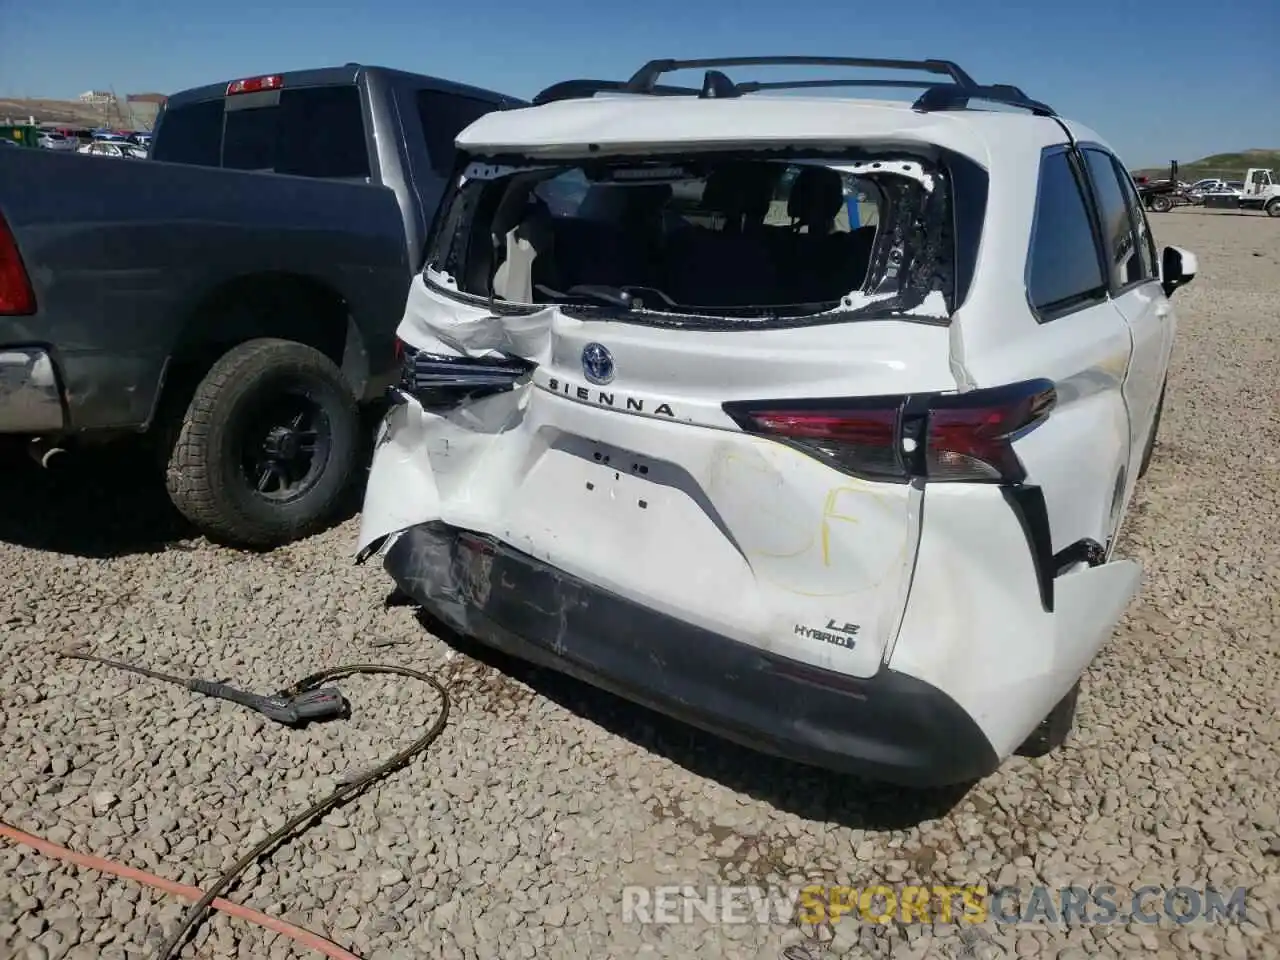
x: 1261, y: 192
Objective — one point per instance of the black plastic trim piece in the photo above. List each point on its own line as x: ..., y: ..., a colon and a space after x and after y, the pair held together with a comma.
x: 1088, y: 550
x: 1027, y: 502
x: 890, y: 726
x: 446, y: 381
x: 583, y: 89
x: 950, y: 96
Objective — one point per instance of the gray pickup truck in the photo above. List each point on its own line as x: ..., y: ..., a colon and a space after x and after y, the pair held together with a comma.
x: 233, y: 298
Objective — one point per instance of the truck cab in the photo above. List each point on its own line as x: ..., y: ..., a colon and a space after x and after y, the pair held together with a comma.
x: 1260, y: 191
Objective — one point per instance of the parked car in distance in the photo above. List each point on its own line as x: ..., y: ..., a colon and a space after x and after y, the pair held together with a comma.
x: 55, y: 141
x: 105, y: 148
x: 845, y: 494
x: 234, y: 300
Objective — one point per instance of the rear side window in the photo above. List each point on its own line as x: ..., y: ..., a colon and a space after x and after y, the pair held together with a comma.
x: 190, y: 134
x: 443, y: 117
x: 1117, y: 228
x: 1064, y: 271
x: 309, y: 132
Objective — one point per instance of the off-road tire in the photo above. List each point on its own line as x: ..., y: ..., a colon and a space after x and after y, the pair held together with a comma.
x: 1053, y: 729
x: 1161, y: 204
x: 204, y: 473
x: 1149, y: 451
x: 1273, y: 208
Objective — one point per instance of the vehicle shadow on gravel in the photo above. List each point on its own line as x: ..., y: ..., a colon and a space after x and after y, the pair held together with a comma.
x: 795, y: 788
x: 109, y: 502
x: 94, y: 503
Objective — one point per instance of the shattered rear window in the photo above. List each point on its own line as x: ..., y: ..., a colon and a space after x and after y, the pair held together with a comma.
x: 738, y: 237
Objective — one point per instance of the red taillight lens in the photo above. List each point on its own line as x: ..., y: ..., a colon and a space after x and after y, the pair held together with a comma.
x: 862, y: 441
x: 970, y: 435
x: 16, y: 296
x: 254, y: 84
x: 939, y: 437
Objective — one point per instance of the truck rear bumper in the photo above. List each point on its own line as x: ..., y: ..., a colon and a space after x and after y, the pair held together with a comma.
x: 30, y: 398
x: 891, y: 726
x: 62, y: 390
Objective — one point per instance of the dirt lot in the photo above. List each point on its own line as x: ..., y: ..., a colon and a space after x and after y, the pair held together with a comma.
x: 515, y: 835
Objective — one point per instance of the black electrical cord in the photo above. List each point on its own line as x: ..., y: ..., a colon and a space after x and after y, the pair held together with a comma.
x: 344, y: 792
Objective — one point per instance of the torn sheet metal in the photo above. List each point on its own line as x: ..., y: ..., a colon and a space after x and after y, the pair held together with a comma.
x: 733, y: 533
x: 459, y: 328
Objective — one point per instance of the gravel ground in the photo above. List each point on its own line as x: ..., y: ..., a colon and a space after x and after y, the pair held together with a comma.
x: 515, y: 835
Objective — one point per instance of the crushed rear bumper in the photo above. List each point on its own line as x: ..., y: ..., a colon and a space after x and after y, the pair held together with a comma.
x: 891, y: 726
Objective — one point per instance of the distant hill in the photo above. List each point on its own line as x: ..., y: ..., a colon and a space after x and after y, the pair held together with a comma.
x: 73, y: 113
x: 1229, y: 166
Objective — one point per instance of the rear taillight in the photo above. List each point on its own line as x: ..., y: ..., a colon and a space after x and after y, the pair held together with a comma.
x: 445, y: 381
x: 254, y: 84
x: 16, y: 296
x: 970, y: 435
x: 862, y: 439
x: 938, y: 437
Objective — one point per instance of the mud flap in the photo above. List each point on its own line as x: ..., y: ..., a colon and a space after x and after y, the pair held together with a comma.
x: 975, y: 625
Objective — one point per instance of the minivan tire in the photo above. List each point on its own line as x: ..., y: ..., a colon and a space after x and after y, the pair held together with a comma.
x: 1054, y: 729
x: 267, y: 446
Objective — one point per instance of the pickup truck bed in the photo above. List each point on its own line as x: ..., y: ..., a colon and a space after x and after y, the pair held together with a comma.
x: 234, y: 298
x: 135, y: 265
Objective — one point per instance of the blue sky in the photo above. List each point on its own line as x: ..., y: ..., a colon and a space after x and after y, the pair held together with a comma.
x: 1161, y: 80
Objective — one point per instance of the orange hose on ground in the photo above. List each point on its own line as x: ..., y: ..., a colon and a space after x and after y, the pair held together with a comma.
x: 305, y: 937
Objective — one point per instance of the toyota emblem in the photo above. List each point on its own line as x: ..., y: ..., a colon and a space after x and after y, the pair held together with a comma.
x: 597, y: 364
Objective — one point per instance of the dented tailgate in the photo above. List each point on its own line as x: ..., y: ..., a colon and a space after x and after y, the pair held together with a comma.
x: 647, y: 489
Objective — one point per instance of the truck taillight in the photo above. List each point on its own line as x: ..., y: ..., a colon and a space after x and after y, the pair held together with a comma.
x: 254, y: 84
x: 938, y: 437
x: 16, y: 296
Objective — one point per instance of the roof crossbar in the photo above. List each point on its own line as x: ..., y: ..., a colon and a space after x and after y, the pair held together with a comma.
x: 647, y: 76
x: 953, y: 95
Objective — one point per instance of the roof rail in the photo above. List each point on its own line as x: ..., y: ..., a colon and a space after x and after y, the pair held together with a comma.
x: 953, y: 95
x: 577, y: 89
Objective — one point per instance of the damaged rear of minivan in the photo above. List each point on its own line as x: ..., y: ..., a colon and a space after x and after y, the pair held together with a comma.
x: 666, y: 420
